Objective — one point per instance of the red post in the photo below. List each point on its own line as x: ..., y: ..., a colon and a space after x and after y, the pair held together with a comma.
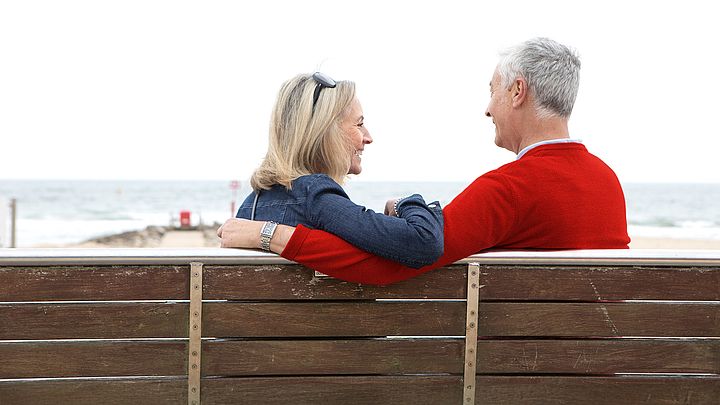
x: 184, y: 219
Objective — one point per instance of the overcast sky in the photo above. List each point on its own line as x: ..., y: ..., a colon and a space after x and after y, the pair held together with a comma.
x: 183, y: 90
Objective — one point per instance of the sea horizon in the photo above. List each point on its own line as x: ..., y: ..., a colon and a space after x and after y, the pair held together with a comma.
x: 57, y: 212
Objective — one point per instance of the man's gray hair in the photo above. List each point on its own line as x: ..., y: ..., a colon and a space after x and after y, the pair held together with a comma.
x: 552, y: 72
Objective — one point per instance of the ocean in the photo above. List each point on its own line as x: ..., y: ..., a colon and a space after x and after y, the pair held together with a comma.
x: 65, y: 212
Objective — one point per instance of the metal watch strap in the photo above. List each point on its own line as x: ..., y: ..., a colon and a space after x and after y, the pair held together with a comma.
x: 266, y: 234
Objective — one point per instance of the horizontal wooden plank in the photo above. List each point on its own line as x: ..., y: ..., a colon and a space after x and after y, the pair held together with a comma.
x: 92, y: 359
x: 98, y: 283
x: 620, y: 390
x: 605, y: 356
x: 93, y: 392
x: 358, y: 318
x: 356, y: 390
x: 598, y: 283
x: 318, y: 319
x: 360, y: 390
x: 320, y: 357
x: 93, y: 321
x: 599, y: 319
x: 289, y: 282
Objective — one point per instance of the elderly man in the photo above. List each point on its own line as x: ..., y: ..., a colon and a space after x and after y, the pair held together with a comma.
x: 555, y: 195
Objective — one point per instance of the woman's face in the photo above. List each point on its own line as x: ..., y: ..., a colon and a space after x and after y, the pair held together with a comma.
x: 354, y: 127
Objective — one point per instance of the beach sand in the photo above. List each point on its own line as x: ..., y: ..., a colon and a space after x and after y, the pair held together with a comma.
x: 152, y: 237
x: 205, y: 236
x: 679, y: 244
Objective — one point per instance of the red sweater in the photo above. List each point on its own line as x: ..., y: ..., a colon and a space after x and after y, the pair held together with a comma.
x: 556, y: 196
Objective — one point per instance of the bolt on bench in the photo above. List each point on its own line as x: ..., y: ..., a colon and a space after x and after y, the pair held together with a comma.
x: 227, y: 326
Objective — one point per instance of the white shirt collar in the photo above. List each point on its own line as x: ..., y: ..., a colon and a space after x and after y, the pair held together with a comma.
x: 551, y: 141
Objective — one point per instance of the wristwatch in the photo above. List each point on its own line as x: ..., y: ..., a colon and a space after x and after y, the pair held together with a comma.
x: 266, y: 234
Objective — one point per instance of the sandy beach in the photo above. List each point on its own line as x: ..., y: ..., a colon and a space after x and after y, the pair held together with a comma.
x: 152, y: 237
x: 680, y: 244
x: 205, y: 236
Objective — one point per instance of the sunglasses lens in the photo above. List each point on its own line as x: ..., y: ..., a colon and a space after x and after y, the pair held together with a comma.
x: 324, y: 79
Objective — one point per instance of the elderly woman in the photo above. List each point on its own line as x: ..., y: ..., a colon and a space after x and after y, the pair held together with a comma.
x: 317, y: 137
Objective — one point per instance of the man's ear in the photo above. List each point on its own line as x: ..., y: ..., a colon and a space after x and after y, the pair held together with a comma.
x: 519, y: 92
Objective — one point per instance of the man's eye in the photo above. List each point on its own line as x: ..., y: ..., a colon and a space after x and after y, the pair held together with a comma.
x: 361, y: 124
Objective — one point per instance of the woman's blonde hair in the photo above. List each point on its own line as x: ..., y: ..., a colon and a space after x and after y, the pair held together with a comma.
x: 303, y: 141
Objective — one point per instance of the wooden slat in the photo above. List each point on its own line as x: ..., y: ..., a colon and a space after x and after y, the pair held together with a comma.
x: 600, y: 320
x: 99, y: 283
x: 92, y: 359
x: 319, y: 319
x: 318, y: 357
x: 598, y: 390
x: 289, y: 282
x: 599, y: 283
x: 88, y: 321
x: 93, y: 392
x: 598, y: 356
x: 372, y: 390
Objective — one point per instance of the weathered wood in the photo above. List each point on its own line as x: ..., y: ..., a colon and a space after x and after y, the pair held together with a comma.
x: 98, y: 283
x: 606, y: 356
x: 492, y: 390
x: 318, y: 357
x: 92, y: 359
x: 598, y: 390
x: 415, y: 356
x: 356, y: 390
x: 600, y: 319
x: 93, y: 321
x: 92, y: 392
x: 538, y: 283
x: 318, y: 319
x: 291, y: 282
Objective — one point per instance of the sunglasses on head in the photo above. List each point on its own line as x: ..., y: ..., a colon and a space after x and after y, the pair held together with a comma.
x: 323, y: 81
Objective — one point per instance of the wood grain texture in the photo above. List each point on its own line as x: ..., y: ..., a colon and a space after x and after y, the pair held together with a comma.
x: 93, y: 392
x: 357, y: 390
x: 332, y: 357
x: 598, y: 356
x: 600, y: 319
x: 598, y: 390
x: 93, y: 321
x: 96, y: 283
x: 318, y: 319
x: 599, y: 283
x: 92, y: 359
x: 293, y: 282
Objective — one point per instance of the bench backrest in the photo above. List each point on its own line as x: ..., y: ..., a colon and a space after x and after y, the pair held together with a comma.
x: 118, y: 329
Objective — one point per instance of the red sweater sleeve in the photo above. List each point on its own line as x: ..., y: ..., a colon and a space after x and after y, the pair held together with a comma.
x: 476, y: 219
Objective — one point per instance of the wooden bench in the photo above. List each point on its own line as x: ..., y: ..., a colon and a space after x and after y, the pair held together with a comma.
x: 225, y: 326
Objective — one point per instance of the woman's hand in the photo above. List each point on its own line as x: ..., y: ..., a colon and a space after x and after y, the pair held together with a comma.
x: 240, y: 233
x: 390, y: 207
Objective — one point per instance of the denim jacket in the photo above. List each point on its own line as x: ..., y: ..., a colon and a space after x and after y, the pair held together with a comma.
x: 415, y: 238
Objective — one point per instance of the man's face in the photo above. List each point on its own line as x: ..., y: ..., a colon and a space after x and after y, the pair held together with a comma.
x: 499, y: 110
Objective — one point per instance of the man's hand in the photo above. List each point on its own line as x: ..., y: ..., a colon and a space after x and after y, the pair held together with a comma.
x: 240, y: 233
